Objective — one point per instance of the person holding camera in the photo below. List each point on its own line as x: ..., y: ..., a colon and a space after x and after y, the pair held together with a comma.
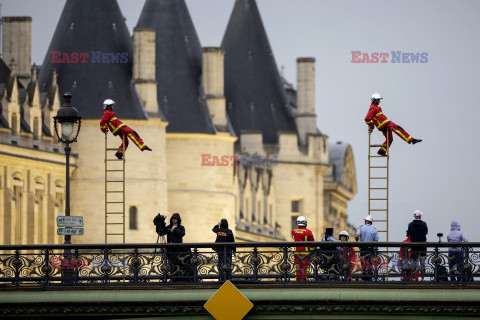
x: 224, y: 234
x: 175, y: 232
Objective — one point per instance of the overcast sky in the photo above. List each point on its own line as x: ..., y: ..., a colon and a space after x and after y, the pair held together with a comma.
x: 435, y: 101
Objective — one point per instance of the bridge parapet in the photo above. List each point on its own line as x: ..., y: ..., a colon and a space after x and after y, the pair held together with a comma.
x: 284, y: 263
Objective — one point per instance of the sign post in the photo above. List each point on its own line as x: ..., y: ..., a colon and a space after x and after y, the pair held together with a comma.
x: 70, y: 225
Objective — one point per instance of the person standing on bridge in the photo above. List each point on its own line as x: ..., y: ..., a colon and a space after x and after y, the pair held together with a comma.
x: 456, y: 253
x: 417, y: 231
x: 110, y: 122
x: 376, y: 118
x: 368, y: 233
x: 302, y: 254
x: 224, y: 234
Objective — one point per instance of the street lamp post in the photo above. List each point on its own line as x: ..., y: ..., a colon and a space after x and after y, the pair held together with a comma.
x: 67, y: 116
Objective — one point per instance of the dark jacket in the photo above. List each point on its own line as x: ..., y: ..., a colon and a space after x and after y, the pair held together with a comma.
x: 173, y: 235
x: 224, y: 235
x: 417, y: 231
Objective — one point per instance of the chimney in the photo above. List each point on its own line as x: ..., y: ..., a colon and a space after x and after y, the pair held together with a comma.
x: 17, y: 44
x: 212, y: 77
x: 306, y: 119
x: 144, y: 68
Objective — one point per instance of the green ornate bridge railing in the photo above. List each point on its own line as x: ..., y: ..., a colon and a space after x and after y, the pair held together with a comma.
x: 256, y: 262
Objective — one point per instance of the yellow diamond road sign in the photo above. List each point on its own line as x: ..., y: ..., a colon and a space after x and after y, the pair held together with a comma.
x: 228, y: 303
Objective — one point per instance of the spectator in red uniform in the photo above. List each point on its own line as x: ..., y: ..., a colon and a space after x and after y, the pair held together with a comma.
x: 376, y: 118
x: 302, y: 254
x: 110, y: 122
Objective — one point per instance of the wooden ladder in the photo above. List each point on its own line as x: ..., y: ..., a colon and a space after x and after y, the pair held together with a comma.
x: 378, y: 183
x: 114, y: 194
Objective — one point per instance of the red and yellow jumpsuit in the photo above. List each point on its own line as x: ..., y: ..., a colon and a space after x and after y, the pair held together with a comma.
x: 110, y: 121
x: 407, y: 264
x: 375, y: 117
x: 302, y: 254
x: 348, y: 256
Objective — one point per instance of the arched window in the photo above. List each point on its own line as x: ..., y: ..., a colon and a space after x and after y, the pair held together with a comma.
x: 14, y: 124
x: 36, y: 129
x: 17, y: 216
x: 60, y: 198
x: 132, y: 217
x: 38, y: 224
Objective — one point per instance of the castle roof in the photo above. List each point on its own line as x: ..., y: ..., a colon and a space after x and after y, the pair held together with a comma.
x: 340, y: 156
x: 93, y: 27
x: 256, y: 98
x: 178, y: 61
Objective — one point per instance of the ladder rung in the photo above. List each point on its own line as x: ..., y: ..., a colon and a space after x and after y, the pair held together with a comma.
x: 114, y: 170
x: 114, y: 191
x: 121, y: 159
x: 377, y: 156
x: 114, y: 181
x: 378, y: 199
x: 378, y: 177
x: 381, y: 230
x: 108, y: 223
x: 376, y: 145
x: 379, y: 188
x: 112, y: 149
x: 114, y: 201
x: 114, y: 234
x: 114, y: 212
x: 378, y: 209
x: 381, y: 220
x: 378, y: 167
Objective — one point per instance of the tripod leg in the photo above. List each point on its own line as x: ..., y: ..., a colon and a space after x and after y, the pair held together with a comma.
x: 155, y: 253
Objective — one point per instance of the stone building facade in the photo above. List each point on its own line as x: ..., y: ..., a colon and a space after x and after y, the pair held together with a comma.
x: 230, y: 137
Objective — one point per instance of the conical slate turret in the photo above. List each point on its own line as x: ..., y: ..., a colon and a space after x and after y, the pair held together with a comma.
x: 256, y: 99
x: 178, y: 66
x: 95, y: 37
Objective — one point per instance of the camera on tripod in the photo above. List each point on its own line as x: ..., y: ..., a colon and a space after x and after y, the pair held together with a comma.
x: 159, y: 221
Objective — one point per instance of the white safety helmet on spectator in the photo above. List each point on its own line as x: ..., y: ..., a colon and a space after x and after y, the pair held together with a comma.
x: 376, y: 96
x: 108, y: 102
x: 344, y: 233
x: 301, y: 221
x: 368, y: 218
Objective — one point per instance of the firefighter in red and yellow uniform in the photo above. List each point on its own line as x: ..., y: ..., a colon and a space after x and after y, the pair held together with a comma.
x: 376, y: 118
x: 302, y: 254
x: 110, y: 122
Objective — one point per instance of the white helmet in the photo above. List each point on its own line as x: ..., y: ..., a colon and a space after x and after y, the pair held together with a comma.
x: 368, y: 218
x: 344, y: 233
x: 108, y: 102
x: 302, y: 221
x: 376, y: 96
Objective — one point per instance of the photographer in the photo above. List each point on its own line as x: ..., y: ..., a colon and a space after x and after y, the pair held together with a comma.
x: 176, y: 257
x: 224, y: 234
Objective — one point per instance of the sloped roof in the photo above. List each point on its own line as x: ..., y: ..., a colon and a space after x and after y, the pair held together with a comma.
x: 3, y: 121
x: 256, y: 99
x: 93, y: 26
x: 336, y: 156
x: 178, y: 62
x: 340, y: 155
